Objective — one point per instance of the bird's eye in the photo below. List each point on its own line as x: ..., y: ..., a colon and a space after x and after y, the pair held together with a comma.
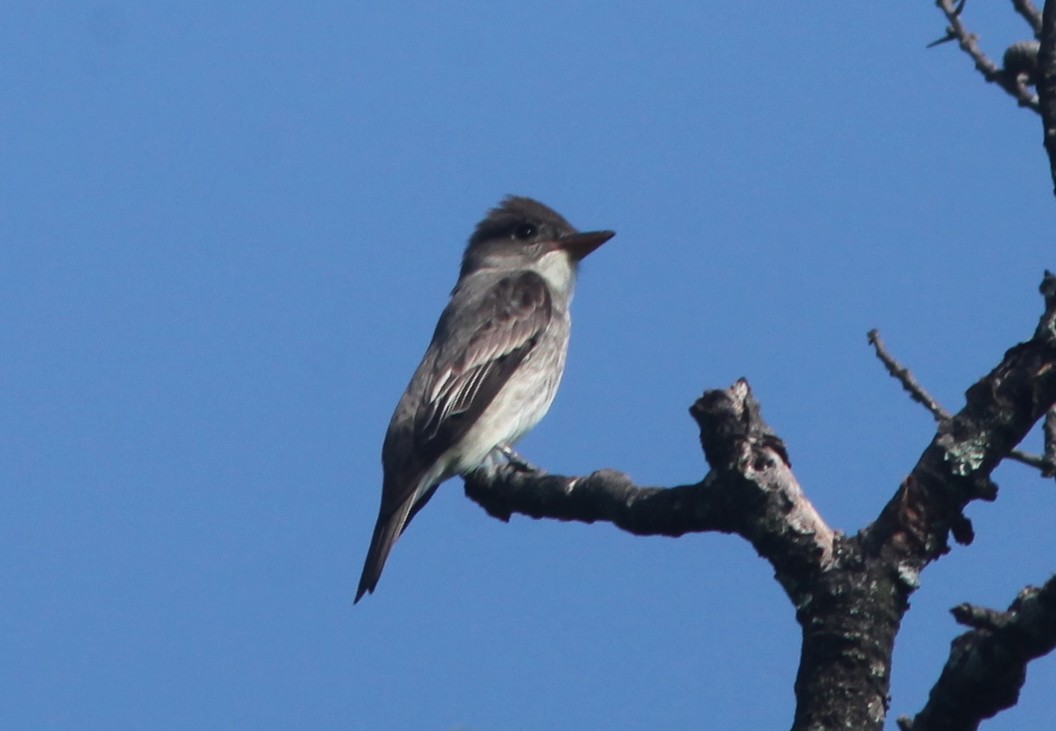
x: 524, y: 231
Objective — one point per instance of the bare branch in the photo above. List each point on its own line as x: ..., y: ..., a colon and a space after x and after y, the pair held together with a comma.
x: 1047, y: 83
x: 751, y: 491
x: 909, y: 383
x: 988, y: 665
x: 1030, y: 13
x: 940, y: 414
x: 1032, y: 460
x: 1012, y: 83
x: 955, y: 469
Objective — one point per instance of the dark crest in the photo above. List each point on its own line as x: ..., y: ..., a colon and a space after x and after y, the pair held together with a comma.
x: 517, y: 214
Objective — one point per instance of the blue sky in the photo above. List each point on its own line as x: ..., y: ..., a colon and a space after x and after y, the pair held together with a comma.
x: 227, y: 233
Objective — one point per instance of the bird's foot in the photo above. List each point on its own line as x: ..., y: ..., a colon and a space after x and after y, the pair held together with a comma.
x: 515, y: 460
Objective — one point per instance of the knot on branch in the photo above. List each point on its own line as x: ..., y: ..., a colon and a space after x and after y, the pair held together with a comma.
x: 1020, y: 62
x: 752, y: 473
x: 729, y: 419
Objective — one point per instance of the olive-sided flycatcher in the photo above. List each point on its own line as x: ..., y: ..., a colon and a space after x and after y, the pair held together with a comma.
x: 493, y: 366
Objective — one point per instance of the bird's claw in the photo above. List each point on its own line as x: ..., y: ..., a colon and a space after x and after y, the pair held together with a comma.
x: 515, y: 460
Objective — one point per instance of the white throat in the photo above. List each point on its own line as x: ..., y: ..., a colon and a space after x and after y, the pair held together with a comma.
x: 558, y: 270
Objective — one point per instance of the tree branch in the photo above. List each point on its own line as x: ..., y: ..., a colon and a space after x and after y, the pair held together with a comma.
x: 1030, y: 13
x: 850, y: 593
x: 903, y: 376
x: 751, y: 491
x: 1015, y: 84
x: 1047, y: 83
x: 988, y: 665
x: 1045, y: 464
x: 955, y: 468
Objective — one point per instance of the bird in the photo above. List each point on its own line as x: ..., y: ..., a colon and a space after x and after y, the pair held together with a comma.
x: 492, y: 367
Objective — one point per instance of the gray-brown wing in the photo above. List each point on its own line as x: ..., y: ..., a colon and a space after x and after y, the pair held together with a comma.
x: 468, y: 374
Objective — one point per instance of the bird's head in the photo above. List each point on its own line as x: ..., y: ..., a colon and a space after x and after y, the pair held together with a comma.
x: 522, y: 233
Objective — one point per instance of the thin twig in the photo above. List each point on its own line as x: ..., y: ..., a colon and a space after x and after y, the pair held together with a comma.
x: 1030, y: 13
x: 1031, y: 460
x: 903, y: 376
x: 899, y: 372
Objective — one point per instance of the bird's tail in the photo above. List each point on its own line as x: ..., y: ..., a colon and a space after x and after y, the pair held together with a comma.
x: 392, y: 522
x: 386, y: 531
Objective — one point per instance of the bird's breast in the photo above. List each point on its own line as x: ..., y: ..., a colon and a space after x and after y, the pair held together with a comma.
x: 523, y: 400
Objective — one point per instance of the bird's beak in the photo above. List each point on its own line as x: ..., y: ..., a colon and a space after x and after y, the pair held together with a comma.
x: 580, y: 244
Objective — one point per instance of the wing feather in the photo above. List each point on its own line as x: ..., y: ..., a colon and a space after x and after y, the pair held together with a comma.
x: 470, y: 371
